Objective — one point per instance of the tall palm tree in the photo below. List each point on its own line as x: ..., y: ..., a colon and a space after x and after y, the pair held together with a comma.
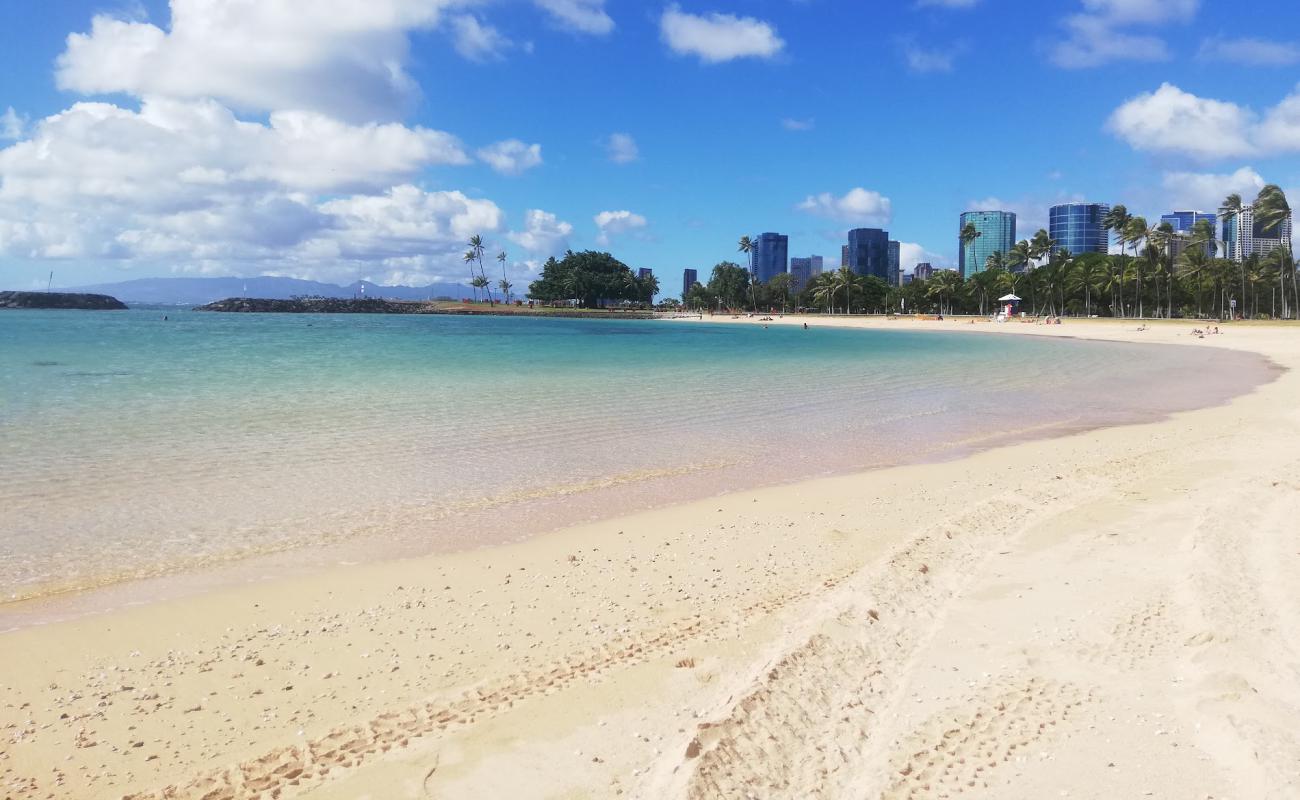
x: 1135, y: 232
x: 1161, y: 237
x: 476, y: 247
x: 1116, y: 221
x: 1085, y: 275
x: 996, y: 260
x: 746, y: 246
x: 1194, y: 261
x: 1230, y: 209
x: 969, y: 233
x: 1271, y: 210
x: 473, y: 277
x: 505, y: 283
x: 1021, y: 255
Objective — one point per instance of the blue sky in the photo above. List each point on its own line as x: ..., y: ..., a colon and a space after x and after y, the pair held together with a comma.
x: 341, y: 139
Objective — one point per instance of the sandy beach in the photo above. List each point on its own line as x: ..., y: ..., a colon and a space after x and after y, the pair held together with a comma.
x: 1102, y: 615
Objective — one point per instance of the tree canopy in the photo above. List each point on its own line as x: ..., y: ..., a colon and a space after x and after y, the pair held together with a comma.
x: 589, y: 277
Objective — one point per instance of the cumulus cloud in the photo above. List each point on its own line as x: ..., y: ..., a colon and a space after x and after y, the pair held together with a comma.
x: 716, y: 38
x: 621, y: 148
x: 343, y: 58
x: 581, y: 16
x: 12, y: 126
x: 511, y: 157
x: 612, y: 223
x: 544, y: 233
x: 476, y: 40
x: 187, y: 183
x: 910, y: 254
x: 857, y: 206
x: 1173, y: 121
x: 1204, y: 190
x: 1098, y: 35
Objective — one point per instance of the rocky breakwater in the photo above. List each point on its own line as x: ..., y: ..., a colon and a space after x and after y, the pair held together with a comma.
x: 316, y: 305
x: 85, y: 302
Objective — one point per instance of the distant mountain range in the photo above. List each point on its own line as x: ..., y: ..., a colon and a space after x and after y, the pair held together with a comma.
x: 198, y: 291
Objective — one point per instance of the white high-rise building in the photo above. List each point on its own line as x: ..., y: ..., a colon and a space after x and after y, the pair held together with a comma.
x: 1244, y: 238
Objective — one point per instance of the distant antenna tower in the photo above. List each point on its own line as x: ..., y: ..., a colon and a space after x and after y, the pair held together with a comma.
x: 50, y: 285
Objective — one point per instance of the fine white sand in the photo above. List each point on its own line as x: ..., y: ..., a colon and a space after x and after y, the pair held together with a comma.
x: 1110, y: 614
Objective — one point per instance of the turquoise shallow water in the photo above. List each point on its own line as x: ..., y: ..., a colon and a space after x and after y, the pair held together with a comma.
x: 132, y: 447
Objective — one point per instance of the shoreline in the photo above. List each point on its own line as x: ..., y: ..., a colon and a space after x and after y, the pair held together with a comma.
x: 842, y: 618
x: 56, y: 603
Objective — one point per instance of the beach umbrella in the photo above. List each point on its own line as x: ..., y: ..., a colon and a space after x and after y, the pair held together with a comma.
x: 1008, y: 297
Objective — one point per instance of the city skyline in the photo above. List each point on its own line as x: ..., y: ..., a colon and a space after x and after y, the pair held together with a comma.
x: 132, y: 142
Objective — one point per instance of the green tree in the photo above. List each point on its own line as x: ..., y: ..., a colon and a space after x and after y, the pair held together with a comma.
x: 969, y: 233
x: 1117, y: 222
x: 1229, y: 210
x: 1135, y: 232
x: 505, y: 283
x: 1087, y: 276
x: 588, y: 277
x: 1271, y: 210
x: 729, y: 284
x: 746, y: 246
x: 476, y: 247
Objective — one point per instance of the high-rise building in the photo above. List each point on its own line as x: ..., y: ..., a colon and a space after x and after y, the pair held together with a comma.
x: 997, y: 234
x: 923, y: 271
x: 770, y: 256
x: 844, y: 255
x: 803, y: 270
x: 1184, y: 221
x: 1245, y: 237
x: 644, y: 272
x: 869, y: 252
x: 689, y: 278
x: 895, y: 268
x: 1077, y: 227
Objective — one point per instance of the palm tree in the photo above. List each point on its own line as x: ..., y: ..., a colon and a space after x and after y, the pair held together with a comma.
x: 968, y: 235
x: 848, y: 280
x: 1086, y: 275
x: 1135, y: 232
x: 479, y: 282
x: 1021, y: 255
x: 476, y: 247
x: 1230, y: 209
x: 746, y: 246
x: 986, y: 282
x: 1116, y: 221
x: 996, y: 260
x: 473, y: 279
x: 1194, y: 262
x: 945, y: 284
x: 505, y: 283
x: 823, y: 289
x: 1271, y: 210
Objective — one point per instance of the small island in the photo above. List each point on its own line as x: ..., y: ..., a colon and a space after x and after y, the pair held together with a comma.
x: 47, y: 300
x: 316, y: 305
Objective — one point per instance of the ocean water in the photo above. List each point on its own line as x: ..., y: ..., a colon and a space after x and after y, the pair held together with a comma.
x: 133, y: 447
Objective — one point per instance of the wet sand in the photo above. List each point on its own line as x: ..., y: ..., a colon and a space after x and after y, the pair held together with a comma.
x: 1108, y: 614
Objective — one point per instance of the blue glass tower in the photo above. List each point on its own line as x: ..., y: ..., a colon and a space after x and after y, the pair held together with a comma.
x: 895, y: 267
x: 1077, y: 227
x: 997, y: 231
x: 689, y: 278
x: 770, y: 256
x: 1184, y: 221
x: 869, y: 252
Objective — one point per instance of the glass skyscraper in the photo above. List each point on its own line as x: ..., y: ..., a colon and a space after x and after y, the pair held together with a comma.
x: 1077, y: 227
x: 1245, y: 237
x: 869, y: 253
x: 895, y: 268
x: 770, y: 256
x: 803, y: 270
x: 1184, y: 221
x: 997, y: 231
x: 689, y: 279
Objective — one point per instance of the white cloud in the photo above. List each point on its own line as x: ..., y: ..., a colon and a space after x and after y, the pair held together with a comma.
x: 621, y: 148
x: 716, y: 38
x: 582, y: 16
x: 343, y: 58
x: 1171, y: 120
x: 1096, y: 36
x: 910, y: 254
x: 1250, y: 51
x: 544, y: 233
x: 1204, y: 191
x: 612, y: 223
x: 798, y: 124
x: 12, y: 126
x: 925, y: 59
x: 187, y: 185
x: 512, y: 156
x: 475, y: 40
x: 857, y: 206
